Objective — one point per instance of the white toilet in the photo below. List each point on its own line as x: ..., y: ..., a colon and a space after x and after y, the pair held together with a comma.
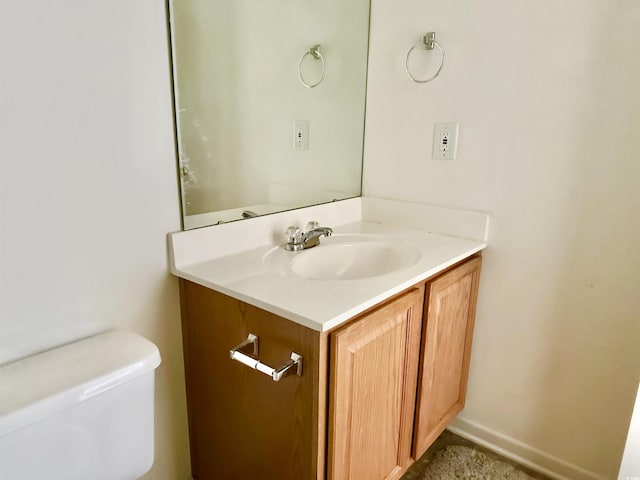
x: 83, y: 411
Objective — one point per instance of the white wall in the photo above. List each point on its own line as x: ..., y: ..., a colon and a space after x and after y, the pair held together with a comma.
x: 88, y: 188
x: 630, y: 467
x: 548, y: 102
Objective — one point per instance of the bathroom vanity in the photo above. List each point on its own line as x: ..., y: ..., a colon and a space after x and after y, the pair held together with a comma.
x: 384, y: 356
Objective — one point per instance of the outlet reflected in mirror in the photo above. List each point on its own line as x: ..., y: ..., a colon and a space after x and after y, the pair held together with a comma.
x: 270, y: 100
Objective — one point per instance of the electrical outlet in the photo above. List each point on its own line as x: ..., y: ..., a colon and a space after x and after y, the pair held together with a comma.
x: 445, y: 141
x: 301, y: 135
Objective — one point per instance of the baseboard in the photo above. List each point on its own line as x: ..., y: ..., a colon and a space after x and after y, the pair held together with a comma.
x: 520, y: 452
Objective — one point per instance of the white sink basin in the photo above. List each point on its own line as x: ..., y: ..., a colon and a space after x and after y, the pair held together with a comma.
x: 348, y: 257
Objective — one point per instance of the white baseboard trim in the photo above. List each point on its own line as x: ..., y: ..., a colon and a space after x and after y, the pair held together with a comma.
x: 520, y: 452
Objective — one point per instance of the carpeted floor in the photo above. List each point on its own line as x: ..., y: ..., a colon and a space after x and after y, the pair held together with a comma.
x: 453, y: 458
x: 464, y: 463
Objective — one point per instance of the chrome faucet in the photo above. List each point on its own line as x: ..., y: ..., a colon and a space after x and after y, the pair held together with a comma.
x: 299, y: 240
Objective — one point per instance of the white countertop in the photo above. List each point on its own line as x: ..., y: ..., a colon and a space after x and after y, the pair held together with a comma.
x: 201, y: 257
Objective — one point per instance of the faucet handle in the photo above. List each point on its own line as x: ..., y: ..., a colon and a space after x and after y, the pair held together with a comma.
x: 294, y: 234
x: 311, y: 226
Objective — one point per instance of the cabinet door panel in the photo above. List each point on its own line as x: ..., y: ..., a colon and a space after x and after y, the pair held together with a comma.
x: 372, y: 391
x: 446, y: 348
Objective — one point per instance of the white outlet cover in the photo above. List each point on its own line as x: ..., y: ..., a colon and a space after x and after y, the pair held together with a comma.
x: 445, y: 141
x: 301, y: 135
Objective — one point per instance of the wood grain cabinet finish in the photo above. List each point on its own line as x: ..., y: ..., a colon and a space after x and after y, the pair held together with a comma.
x: 450, y: 304
x: 242, y: 424
x: 374, y: 393
x: 374, y: 364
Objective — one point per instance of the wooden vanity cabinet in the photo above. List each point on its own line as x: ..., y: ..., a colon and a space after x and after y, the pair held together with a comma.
x: 374, y: 393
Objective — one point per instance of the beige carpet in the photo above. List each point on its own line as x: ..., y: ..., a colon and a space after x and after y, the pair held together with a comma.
x: 464, y: 463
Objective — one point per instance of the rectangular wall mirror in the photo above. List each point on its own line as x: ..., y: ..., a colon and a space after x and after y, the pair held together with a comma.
x: 270, y: 104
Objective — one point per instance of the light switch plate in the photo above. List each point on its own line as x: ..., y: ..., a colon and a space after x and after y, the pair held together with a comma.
x: 445, y: 141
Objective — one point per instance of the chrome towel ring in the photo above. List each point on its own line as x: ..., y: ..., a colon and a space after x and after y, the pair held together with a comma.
x: 428, y: 42
x: 314, y: 52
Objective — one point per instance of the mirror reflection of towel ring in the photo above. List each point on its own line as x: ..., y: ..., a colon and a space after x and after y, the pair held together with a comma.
x: 428, y: 42
x: 314, y: 52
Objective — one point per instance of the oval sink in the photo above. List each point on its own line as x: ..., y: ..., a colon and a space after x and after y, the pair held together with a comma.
x: 351, y: 260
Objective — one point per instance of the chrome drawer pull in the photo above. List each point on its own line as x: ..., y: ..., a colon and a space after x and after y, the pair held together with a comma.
x: 244, y: 353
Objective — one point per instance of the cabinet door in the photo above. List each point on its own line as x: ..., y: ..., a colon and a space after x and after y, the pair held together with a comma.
x: 373, y: 369
x: 450, y: 304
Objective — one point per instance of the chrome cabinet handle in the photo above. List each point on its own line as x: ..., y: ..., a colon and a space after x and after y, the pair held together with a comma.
x: 245, y: 354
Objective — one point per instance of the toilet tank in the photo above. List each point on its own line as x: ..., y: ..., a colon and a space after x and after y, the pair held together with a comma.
x: 81, y: 411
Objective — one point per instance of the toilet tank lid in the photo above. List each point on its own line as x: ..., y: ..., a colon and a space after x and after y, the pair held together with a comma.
x: 43, y: 384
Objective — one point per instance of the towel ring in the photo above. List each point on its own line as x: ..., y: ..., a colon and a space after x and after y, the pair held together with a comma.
x: 428, y: 42
x: 315, y: 53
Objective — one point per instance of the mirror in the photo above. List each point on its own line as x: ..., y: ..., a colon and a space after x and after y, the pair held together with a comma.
x: 270, y: 101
